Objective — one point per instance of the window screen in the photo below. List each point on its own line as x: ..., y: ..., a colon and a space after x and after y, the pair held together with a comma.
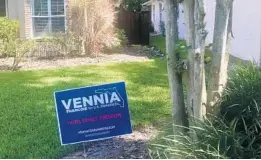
x: 48, y: 17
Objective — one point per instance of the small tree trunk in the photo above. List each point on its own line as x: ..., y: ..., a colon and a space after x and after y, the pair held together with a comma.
x: 194, y: 11
x: 220, y: 56
x: 175, y: 78
x: 188, y: 6
x: 200, y: 96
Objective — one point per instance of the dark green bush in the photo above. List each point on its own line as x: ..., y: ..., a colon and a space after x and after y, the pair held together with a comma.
x: 215, y: 140
x: 241, y: 101
x: 236, y: 133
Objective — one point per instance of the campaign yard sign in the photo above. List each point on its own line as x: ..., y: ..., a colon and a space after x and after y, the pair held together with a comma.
x: 92, y: 113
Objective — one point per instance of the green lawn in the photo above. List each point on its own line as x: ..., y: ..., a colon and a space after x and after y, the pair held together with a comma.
x: 28, y: 124
x: 160, y: 42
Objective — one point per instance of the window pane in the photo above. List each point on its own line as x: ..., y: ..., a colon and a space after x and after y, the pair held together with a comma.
x: 2, y: 8
x: 58, y: 24
x: 57, y: 7
x: 40, y: 7
x: 41, y: 27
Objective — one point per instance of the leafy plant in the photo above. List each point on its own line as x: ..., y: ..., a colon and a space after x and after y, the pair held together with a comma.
x: 8, y: 35
x: 21, y: 48
x: 61, y: 43
x: 241, y: 101
x: 133, y: 5
x: 236, y: 133
x: 118, y: 41
x: 11, y: 45
x: 215, y: 140
x: 121, y: 36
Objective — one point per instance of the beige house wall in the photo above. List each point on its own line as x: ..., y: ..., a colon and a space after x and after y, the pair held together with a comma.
x: 15, y: 11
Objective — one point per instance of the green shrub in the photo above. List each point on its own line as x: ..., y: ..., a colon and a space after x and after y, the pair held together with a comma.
x: 236, y: 133
x: 241, y: 101
x: 122, y: 38
x: 9, y: 31
x: 21, y: 48
x: 60, y: 44
x: 119, y: 40
x: 215, y: 140
x: 11, y: 44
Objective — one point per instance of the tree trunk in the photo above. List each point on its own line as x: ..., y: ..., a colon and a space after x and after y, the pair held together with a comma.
x: 188, y: 6
x: 194, y: 12
x: 175, y: 78
x: 200, y: 96
x: 220, y: 57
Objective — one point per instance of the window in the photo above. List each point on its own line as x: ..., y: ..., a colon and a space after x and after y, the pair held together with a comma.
x: 2, y: 8
x: 48, y: 17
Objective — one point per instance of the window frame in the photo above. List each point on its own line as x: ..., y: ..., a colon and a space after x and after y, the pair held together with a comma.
x: 49, y: 16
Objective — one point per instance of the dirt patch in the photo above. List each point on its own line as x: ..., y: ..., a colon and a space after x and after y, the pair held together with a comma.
x: 131, y: 146
x: 129, y: 54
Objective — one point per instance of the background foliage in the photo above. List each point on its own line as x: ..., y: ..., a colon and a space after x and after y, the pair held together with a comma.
x: 11, y: 44
x: 133, y: 5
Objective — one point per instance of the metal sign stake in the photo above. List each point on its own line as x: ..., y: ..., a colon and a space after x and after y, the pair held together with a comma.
x: 84, y: 151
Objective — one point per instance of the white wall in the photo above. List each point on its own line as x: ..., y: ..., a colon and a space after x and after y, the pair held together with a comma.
x: 156, y: 22
x: 246, y: 27
x: 157, y: 18
x: 181, y: 25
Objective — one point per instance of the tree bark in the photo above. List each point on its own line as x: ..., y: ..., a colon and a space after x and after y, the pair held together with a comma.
x: 188, y: 6
x: 175, y: 78
x: 220, y: 59
x: 194, y: 12
x: 200, y: 96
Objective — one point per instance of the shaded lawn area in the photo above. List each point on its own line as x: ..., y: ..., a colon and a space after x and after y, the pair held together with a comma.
x: 160, y: 43
x: 28, y: 125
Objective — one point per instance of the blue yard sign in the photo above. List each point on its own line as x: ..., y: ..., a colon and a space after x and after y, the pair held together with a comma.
x: 92, y: 113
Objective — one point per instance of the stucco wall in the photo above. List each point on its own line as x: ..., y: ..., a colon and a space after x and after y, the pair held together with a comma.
x: 157, y: 17
x: 246, y: 27
x: 156, y: 21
